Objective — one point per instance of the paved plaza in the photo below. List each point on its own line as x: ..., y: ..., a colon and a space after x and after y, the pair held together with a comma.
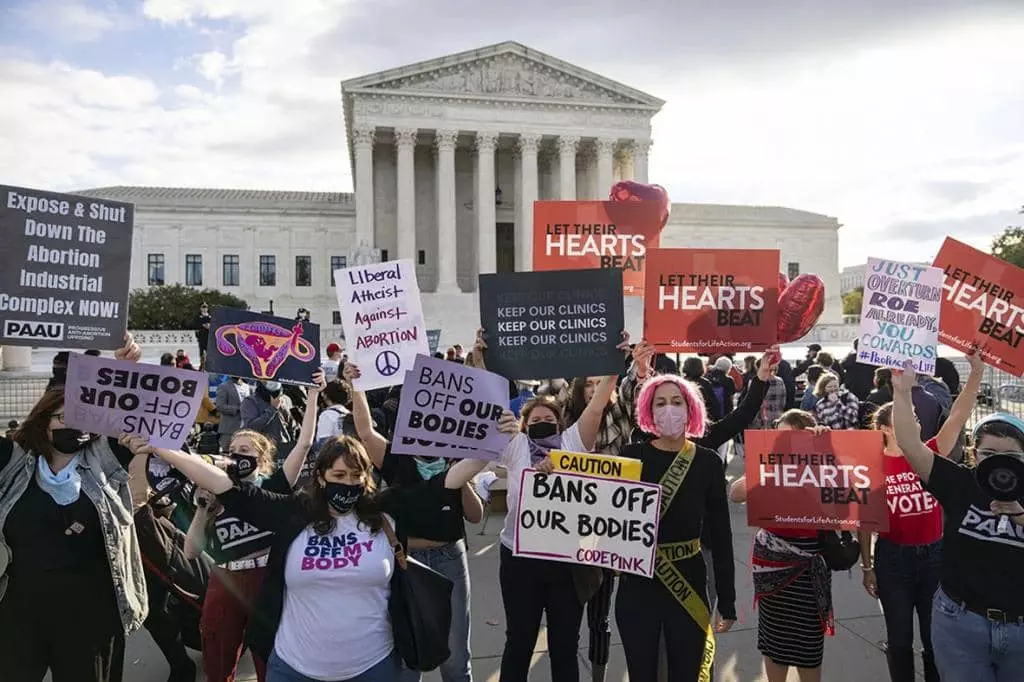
x: 853, y: 654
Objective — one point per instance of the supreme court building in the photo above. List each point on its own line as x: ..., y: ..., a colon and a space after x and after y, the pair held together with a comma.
x: 448, y: 156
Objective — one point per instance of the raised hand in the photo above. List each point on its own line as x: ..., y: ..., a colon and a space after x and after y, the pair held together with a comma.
x: 479, y: 345
x: 319, y: 381
x: 130, y: 351
x: 904, y: 380
x: 624, y: 345
x: 138, y: 445
x: 769, y: 363
x: 508, y: 423
x: 350, y: 372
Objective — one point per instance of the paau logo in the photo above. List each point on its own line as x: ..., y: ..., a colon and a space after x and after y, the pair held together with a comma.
x: 18, y: 329
x: 266, y: 346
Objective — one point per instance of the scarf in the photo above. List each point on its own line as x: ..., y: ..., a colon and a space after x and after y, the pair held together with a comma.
x: 776, y: 564
x: 64, y: 487
x: 540, y: 448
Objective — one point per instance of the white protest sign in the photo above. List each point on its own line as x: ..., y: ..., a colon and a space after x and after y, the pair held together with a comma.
x: 382, y: 316
x: 579, y: 519
x: 899, y: 317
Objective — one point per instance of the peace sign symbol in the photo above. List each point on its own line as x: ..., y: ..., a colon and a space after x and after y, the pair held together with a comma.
x: 388, y: 363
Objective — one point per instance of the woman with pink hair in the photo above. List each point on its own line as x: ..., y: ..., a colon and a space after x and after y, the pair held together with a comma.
x: 674, y: 603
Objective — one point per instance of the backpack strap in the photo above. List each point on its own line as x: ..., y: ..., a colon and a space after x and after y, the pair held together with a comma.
x: 389, y: 531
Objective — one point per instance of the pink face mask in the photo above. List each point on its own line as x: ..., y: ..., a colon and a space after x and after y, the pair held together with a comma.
x: 670, y: 420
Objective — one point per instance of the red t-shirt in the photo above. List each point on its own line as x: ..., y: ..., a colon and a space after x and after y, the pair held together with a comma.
x: 915, y: 517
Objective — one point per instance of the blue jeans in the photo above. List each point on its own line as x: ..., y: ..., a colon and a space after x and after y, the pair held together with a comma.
x: 450, y: 561
x: 972, y: 648
x: 908, y: 576
x: 388, y: 670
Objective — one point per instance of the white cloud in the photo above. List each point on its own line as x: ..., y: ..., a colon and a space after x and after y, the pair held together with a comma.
x: 73, y: 20
x: 921, y: 129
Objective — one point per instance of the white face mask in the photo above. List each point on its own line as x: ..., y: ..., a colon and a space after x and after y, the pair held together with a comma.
x: 670, y: 420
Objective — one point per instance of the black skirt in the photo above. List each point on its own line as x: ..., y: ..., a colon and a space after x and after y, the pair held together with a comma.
x: 789, y: 629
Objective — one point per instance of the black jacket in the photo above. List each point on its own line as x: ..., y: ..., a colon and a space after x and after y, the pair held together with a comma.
x: 858, y: 378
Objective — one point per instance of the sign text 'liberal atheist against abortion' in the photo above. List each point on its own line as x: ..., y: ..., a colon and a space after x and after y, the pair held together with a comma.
x: 382, y: 317
x: 66, y: 269
x: 711, y: 300
x: 543, y: 325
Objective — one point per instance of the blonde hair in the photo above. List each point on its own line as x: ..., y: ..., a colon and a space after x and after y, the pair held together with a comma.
x: 823, y: 381
x: 265, y: 448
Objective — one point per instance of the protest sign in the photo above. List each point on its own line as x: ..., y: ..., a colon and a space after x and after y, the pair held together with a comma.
x: 575, y: 235
x: 982, y: 305
x: 587, y: 520
x: 433, y: 339
x: 451, y: 404
x: 260, y: 346
x: 600, y: 466
x: 67, y: 264
x: 899, y: 316
x: 540, y: 325
x: 711, y: 300
x: 111, y: 397
x: 835, y: 481
x: 382, y: 316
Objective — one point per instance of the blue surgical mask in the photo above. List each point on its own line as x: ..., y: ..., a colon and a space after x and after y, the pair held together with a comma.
x: 430, y: 467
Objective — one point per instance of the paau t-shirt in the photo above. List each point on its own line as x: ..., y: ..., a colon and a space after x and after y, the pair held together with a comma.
x: 335, y: 622
x: 516, y: 458
x: 915, y: 517
x: 982, y: 552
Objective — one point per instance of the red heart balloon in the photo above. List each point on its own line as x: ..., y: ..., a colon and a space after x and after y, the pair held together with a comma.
x: 783, y: 283
x: 800, y: 306
x: 628, y: 190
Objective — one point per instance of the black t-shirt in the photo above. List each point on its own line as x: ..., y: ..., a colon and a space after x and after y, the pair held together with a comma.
x: 427, y: 509
x: 982, y: 557
x: 701, y: 500
x: 232, y: 538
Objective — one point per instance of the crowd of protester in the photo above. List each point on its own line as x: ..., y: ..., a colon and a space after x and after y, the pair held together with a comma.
x: 278, y: 479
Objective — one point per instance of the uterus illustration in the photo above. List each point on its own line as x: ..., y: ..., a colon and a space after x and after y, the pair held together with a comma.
x: 264, y: 345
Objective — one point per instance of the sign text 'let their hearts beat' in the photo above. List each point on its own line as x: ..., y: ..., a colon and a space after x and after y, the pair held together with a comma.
x: 382, y: 316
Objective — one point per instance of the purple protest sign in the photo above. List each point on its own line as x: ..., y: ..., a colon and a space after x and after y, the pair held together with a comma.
x: 450, y: 410
x: 110, y: 397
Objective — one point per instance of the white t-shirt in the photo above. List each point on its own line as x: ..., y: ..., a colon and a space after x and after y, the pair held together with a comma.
x: 335, y: 622
x: 328, y: 424
x: 331, y: 369
x: 516, y: 458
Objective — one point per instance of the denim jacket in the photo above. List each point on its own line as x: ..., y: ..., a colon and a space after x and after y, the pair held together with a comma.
x: 105, y: 483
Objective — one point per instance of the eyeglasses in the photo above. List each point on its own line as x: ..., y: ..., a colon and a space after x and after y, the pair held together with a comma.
x: 988, y: 452
x: 58, y: 417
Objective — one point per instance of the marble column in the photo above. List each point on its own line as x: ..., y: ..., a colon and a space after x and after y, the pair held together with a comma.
x: 405, y: 149
x: 486, y: 212
x: 362, y: 143
x: 16, y: 358
x: 641, y: 149
x: 605, y: 166
x: 528, y: 144
x: 567, y: 146
x: 445, y: 140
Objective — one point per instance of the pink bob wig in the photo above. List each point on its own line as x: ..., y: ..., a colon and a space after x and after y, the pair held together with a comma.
x: 696, y: 413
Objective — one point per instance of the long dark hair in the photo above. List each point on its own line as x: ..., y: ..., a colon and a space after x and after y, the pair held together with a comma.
x: 354, y: 455
x: 32, y: 435
x: 577, y: 402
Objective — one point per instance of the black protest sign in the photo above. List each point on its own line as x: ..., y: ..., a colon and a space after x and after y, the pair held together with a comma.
x: 263, y: 347
x: 66, y: 269
x: 563, y: 323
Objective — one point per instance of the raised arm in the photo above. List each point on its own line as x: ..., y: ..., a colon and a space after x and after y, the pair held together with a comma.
x: 949, y: 434
x: 908, y: 433
x: 292, y: 466
x: 733, y: 423
x: 198, y: 470
x: 463, y: 471
x: 589, y: 423
x: 376, y: 445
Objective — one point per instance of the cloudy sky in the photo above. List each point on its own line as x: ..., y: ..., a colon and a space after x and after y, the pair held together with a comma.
x: 902, y: 118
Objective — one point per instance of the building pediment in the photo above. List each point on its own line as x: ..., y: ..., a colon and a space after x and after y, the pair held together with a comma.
x: 504, y: 71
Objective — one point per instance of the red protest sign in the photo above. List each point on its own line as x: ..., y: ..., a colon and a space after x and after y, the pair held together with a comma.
x: 983, y: 305
x: 835, y: 481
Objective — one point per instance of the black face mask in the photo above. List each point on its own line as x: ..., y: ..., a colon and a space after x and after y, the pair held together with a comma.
x: 342, y: 497
x: 68, y: 441
x: 242, y: 466
x: 541, y: 430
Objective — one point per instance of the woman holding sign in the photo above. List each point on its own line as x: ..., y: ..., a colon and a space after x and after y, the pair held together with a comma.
x: 323, y: 605
x: 532, y: 588
x: 239, y: 548
x: 71, y: 578
x: 674, y: 603
x: 978, y: 610
x: 792, y: 586
x: 434, y: 525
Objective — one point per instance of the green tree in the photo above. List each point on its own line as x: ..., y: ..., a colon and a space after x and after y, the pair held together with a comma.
x: 1009, y: 245
x: 174, y: 306
x: 852, y: 301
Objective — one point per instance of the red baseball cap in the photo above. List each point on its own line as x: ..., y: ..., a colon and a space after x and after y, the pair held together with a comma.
x: 333, y: 348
